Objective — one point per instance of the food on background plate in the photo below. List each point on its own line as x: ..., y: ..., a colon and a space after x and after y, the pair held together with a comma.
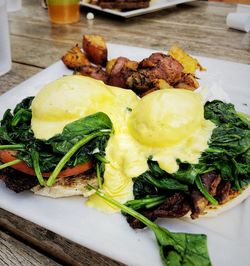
x: 163, y: 155
x: 159, y: 71
x: 121, y: 4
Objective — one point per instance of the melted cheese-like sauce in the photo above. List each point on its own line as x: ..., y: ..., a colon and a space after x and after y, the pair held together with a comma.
x: 149, y: 134
x: 165, y: 125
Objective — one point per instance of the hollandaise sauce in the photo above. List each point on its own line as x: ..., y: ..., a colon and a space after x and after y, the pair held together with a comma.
x: 165, y: 125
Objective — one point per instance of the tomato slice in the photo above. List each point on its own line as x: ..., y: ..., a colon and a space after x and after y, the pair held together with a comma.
x: 9, y: 155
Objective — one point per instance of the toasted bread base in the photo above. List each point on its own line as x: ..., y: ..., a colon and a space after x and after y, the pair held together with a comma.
x: 68, y: 187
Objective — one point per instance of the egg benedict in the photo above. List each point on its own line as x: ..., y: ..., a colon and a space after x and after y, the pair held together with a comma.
x: 74, y: 97
x: 165, y: 125
x: 155, y: 143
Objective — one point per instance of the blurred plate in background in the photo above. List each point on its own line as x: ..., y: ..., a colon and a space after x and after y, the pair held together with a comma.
x: 155, y: 5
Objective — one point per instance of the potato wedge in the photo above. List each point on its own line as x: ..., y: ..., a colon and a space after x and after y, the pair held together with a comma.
x: 118, y: 71
x: 189, y: 63
x: 75, y: 58
x: 110, y: 65
x: 188, y: 82
x: 95, y: 48
x: 162, y: 84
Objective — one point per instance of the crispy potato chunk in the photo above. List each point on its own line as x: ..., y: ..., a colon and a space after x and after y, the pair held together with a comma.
x: 119, y: 70
x: 75, y: 58
x: 159, y: 84
x: 189, y: 63
x: 162, y: 84
x: 110, y: 65
x: 95, y: 48
x: 188, y: 82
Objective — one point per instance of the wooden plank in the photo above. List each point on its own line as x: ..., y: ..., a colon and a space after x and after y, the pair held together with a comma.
x: 198, y: 28
x: 39, y: 53
x: 218, y: 45
x: 15, y: 253
x: 52, y: 244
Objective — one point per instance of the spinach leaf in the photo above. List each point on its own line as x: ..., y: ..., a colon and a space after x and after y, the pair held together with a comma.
x: 72, y: 151
x: 24, y: 104
x: 21, y: 116
x: 5, y: 136
x: 229, y: 146
x: 155, y: 168
x: 175, y: 248
x: 203, y: 190
x: 76, y: 130
x: 166, y: 182
x: 86, y: 125
x: 15, y: 131
x: 155, y: 181
x: 230, y: 141
x: 73, y: 133
x: 142, y: 188
x: 182, y: 248
x: 7, y: 118
x: 224, y: 113
x: 150, y: 201
x: 187, y: 172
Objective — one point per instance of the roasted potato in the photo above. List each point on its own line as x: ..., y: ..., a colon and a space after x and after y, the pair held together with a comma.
x: 118, y: 74
x: 95, y: 48
x: 118, y: 71
x: 110, y: 65
x: 128, y: 64
x: 188, y: 82
x: 189, y: 63
x: 159, y: 84
x: 75, y: 58
x: 162, y: 84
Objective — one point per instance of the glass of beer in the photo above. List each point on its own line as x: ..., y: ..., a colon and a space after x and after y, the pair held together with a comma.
x: 64, y: 11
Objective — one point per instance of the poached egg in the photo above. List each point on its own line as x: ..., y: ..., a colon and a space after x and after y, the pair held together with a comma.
x: 164, y: 125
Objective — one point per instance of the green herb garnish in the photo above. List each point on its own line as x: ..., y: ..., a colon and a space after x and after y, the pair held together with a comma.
x: 71, y: 152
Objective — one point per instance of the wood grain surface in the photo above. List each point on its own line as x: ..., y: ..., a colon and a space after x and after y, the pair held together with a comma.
x: 50, y: 244
x: 199, y: 27
x: 15, y: 253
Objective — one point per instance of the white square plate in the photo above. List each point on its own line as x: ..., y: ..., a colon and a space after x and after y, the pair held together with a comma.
x: 228, y: 234
x: 155, y: 5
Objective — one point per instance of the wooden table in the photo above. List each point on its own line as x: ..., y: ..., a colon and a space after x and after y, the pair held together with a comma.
x: 198, y: 27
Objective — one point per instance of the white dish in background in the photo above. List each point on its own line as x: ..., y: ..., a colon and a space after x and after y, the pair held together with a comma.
x: 155, y: 5
x: 228, y: 234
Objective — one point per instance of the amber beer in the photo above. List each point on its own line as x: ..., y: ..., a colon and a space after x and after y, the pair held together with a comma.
x: 64, y: 11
